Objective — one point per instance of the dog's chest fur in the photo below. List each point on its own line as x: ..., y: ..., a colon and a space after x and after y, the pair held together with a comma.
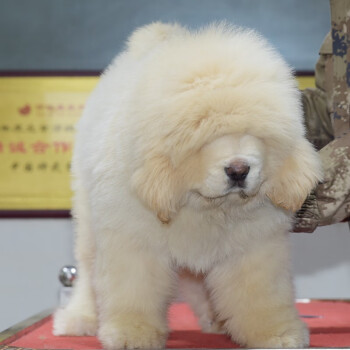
x: 199, y: 240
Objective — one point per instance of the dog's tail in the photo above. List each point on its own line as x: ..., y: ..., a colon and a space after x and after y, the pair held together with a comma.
x: 146, y: 38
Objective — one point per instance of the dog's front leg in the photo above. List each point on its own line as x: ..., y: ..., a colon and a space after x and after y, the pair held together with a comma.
x: 253, y: 294
x: 133, y: 289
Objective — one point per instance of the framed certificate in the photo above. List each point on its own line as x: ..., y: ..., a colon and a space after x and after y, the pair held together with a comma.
x: 37, y: 118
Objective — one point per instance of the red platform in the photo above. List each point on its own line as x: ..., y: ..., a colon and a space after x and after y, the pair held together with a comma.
x: 330, y: 328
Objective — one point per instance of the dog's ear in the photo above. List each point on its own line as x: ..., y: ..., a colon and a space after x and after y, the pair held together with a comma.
x: 159, y: 187
x: 296, y: 177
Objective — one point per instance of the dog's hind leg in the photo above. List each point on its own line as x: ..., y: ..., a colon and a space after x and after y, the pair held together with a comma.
x: 193, y: 290
x: 79, y: 316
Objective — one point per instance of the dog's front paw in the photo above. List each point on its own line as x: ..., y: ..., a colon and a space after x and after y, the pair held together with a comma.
x: 74, y: 322
x: 295, y: 335
x: 131, y: 334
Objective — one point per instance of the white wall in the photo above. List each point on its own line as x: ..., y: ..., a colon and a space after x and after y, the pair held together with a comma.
x: 321, y: 262
x: 33, y: 250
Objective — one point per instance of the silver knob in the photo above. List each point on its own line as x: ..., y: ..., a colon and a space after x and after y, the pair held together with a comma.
x: 68, y: 275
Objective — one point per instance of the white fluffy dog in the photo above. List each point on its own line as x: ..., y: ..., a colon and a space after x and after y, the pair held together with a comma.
x: 190, y: 157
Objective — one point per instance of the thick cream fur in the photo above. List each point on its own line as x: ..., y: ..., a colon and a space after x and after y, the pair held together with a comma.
x: 152, y: 197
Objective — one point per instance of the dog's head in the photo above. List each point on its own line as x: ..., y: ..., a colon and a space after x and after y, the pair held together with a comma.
x: 231, y: 164
x: 233, y: 168
x: 226, y: 124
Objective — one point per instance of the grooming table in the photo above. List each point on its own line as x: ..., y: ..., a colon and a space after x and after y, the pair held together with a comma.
x: 328, y: 321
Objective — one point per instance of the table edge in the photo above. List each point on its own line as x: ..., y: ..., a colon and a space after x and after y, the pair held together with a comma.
x: 19, y: 329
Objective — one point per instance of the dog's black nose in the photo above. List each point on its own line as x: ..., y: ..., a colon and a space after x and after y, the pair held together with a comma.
x: 237, y: 171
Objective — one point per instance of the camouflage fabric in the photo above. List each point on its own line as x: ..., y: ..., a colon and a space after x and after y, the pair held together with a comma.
x: 319, y: 130
x: 330, y: 201
x: 316, y: 102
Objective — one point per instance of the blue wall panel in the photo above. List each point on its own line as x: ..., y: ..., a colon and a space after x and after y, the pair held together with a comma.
x: 86, y: 34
